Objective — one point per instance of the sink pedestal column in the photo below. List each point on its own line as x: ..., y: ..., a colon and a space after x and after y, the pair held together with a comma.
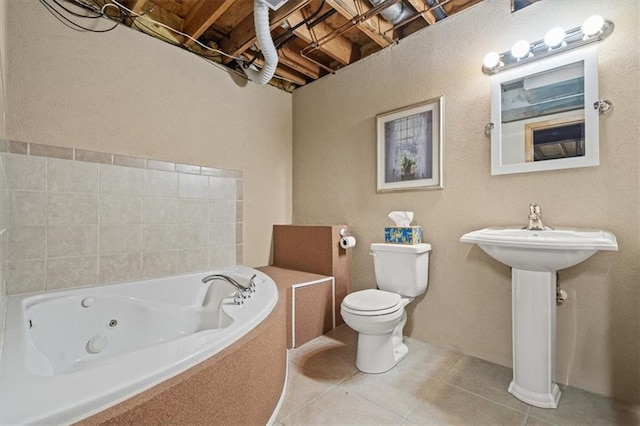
x: 534, y: 338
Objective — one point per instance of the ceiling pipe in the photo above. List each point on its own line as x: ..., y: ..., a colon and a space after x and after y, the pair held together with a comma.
x: 268, y: 49
x: 395, y: 13
x: 437, y: 9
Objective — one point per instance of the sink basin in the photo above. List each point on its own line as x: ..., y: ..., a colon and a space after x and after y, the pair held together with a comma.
x: 547, y: 251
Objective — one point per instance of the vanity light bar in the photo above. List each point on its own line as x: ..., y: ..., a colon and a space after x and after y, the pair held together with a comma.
x: 593, y: 30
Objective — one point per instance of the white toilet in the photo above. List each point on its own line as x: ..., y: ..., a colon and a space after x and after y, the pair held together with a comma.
x: 378, y: 315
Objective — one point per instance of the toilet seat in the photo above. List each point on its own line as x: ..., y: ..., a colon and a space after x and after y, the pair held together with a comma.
x: 372, y: 302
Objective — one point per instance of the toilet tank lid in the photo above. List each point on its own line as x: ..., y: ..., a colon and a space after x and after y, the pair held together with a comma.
x: 401, y: 248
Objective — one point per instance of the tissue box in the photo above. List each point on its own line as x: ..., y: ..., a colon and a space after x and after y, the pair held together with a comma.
x: 403, y: 235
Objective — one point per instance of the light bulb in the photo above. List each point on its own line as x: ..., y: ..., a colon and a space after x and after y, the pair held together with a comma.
x: 520, y: 49
x: 592, y: 25
x: 554, y: 37
x: 491, y: 60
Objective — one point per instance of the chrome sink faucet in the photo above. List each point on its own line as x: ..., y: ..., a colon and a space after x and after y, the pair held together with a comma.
x: 535, y: 218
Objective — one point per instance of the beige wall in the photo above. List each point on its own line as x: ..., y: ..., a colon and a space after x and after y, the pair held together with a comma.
x: 468, y: 302
x: 3, y: 136
x: 127, y: 93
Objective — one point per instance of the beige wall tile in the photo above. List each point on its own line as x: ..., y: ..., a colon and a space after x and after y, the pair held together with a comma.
x: 120, y: 209
x: 72, y: 240
x: 93, y: 156
x: 120, y: 180
x: 71, y: 272
x: 222, y: 211
x: 160, y: 183
x: 120, y: 267
x: 72, y: 209
x: 27, y: 208
x: 222, y: 256
x: 159, y: 237
x: 120, y: 239
x: 239, y: 211
x: 127, y: 161
x: 159, y: 210
x: 194, y: 211
x: 25, y: 172
x: 26, y: 242
x: 25, y: 277
x: 192, y: 235
x: 193, y: 186
x: 50, y: 151
x: 161, y: 165
x: 17, y: 147
x: 193, y: 260
x: 222, y: 188
x: 221, y: 234
x: 159, y: 264
x: 72, y: 176
x: 188, y: 168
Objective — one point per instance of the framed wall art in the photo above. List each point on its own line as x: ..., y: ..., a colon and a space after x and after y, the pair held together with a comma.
x: 409, y: 146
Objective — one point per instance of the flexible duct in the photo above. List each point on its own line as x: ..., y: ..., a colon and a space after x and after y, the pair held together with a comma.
x: 438, y: 12
x: 263, y: 35
x: 395, y: 13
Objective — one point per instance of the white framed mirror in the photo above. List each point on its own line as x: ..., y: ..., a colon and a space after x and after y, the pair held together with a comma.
x: 544, y: 116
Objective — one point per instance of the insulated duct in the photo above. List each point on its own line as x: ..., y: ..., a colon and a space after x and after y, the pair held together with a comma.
x: 263, y: 35
x: 438, y: 11
x: 395, y: 13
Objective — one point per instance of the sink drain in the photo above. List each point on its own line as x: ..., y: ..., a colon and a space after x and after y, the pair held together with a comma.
x: 112, y: 323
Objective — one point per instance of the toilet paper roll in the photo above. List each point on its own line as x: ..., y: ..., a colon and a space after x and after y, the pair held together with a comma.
x: 347, y: 242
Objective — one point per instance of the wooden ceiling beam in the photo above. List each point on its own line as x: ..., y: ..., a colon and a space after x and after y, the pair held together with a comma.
x: 202, y: 16
x: 420, y: 6
x: 137, y: 5
x: 339, y: 47
x: 374, y: 27
x: 293, y: 60
x: 243, y: 35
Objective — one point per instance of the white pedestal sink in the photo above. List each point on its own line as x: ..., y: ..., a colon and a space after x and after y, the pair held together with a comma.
x: 534, y: 257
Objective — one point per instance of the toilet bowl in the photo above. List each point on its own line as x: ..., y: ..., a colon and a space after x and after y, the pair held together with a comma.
x: 379, y: 315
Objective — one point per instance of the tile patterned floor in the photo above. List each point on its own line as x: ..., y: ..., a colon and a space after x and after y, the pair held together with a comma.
x: 431, y: 386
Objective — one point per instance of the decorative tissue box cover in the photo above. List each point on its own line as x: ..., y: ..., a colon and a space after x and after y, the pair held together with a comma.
x: 403, y: 235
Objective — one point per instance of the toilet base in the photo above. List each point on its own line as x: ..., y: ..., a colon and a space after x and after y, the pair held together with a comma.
x: 378, y: 353
x: 375, y: 354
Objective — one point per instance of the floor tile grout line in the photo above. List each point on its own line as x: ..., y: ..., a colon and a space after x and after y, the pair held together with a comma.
x: 526, y: 416
x: 489, y: 399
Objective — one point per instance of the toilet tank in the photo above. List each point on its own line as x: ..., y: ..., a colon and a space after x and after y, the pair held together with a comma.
x: 401, y: 268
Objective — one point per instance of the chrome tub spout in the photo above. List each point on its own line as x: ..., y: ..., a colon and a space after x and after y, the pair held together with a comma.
x: 242, y: 291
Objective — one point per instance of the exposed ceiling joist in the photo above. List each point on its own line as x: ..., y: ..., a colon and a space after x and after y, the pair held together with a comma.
x: 420, y: 7
x: 375, y: 28
x: 339, y: 48
x: 202, y: 16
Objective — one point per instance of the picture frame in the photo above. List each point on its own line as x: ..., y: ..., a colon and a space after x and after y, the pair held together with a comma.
x: 410, y: 147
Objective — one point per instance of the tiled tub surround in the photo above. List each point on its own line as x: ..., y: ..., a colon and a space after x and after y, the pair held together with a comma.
x: 75, y: 223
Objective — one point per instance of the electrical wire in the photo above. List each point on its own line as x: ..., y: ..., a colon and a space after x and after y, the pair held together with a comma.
x: 160, y: 24
x: 74, y: 25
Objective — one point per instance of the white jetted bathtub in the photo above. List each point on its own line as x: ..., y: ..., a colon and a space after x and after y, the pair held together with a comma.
x: 69, y: 354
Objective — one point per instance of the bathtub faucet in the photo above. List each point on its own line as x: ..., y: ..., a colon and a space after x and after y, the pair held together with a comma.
x: 242, y: 292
